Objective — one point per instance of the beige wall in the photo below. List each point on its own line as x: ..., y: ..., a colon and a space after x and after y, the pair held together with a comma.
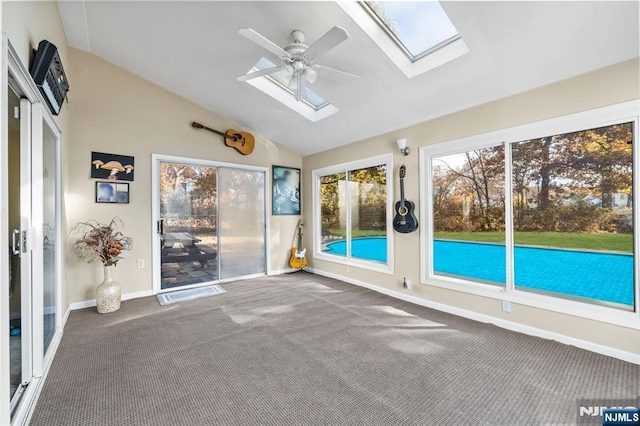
x: 27, y: 23
x: 607, y: 86
x: 118, y: 112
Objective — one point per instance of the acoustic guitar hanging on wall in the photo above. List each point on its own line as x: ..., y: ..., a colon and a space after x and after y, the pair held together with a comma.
x: 405, y: 220
x: 242, y: 142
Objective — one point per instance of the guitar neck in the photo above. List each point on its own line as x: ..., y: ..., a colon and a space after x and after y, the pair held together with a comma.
x: 224, y: 135
x: 402, y: 191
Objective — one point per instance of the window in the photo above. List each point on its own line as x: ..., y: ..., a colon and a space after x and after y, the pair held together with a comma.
x: 352, y: 207
x: 314, y: 108
x: 417, y: 27
x: 416, y: 36
x: 468, y: 215
x: 542, y: 214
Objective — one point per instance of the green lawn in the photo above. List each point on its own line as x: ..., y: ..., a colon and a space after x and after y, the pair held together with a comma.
x: 613, y: 242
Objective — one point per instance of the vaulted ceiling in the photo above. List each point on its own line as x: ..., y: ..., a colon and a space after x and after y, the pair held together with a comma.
x: 194, y: 50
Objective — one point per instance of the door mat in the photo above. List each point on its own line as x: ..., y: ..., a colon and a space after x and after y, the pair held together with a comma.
x: 189, y: 294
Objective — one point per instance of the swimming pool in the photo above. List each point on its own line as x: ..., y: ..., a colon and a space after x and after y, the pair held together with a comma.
x: 594, y: 275
x: 372, y: 248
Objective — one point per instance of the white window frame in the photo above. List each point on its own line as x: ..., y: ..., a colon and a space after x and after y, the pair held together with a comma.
x: 599, y: 117
x: 387, y: 268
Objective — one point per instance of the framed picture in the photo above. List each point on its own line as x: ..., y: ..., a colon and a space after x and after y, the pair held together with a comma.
x: 122, y: 193
x: 286, y: 191
x: 112, y: 166
x: 105, y: 192
x: 111, y: 192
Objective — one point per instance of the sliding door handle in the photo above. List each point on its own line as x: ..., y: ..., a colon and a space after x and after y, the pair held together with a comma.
x: 15, y: 245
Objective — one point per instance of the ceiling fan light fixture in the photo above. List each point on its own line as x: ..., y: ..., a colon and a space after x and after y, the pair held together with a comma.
x: 310, y: 74
x: 286, y: 71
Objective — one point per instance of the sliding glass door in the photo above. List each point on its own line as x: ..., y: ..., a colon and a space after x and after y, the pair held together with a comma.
x: 242, y: 223
x: 210, y: 222
x: 188, y: 224
x: 19, y: 186
x: 30, y: 279
x: 47, y: 220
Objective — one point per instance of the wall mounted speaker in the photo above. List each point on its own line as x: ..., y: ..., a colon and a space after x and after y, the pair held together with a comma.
x: 48, y: 73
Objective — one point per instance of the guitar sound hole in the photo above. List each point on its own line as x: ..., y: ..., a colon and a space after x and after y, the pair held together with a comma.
x: 402, y: 211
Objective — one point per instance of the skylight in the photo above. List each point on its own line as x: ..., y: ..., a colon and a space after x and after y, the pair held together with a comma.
x: 417, y: 36
x: 418, y: 27
x: 314, y: 107
x: 313, y: 99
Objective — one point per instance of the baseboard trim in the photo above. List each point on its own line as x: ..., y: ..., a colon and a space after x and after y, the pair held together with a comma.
x: 509, y: 325
x: 283, y: 271
x: 90, y: 303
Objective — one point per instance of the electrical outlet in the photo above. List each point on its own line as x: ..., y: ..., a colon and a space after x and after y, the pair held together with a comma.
x: 506, y: 306
x: 140, y: 263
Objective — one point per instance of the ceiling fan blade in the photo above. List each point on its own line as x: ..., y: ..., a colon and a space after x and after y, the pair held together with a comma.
x: 331, y: 39
x: 257, y: 74
x: 264, y: 42
x: 334, y: 74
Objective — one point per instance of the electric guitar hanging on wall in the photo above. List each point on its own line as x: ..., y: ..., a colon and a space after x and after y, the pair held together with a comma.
x: 241, y: 141
x: 297, y: 253
x: 405, y: 220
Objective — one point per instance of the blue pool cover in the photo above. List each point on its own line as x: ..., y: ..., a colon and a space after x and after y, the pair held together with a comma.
x: 594, y: 275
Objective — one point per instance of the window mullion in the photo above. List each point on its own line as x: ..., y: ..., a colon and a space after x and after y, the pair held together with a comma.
x: 508, y: 217
x: 348, y: 215
x: 635, y: 152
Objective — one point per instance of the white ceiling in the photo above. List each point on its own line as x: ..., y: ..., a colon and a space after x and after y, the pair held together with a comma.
x: 194, y: 50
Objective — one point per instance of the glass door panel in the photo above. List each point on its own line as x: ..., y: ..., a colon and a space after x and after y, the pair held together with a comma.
x: 242, y: 223
x: 15, y: 295
x: 20, y: 303
x: 188, y: 215
x: 49, y: 183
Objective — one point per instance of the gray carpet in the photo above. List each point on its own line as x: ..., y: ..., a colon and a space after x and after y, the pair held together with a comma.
x: 301, y: 349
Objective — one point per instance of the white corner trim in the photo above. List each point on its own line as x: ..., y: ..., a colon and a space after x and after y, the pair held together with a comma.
x: 509, y: 325
x: 89, y: 303
x: 66, y: 316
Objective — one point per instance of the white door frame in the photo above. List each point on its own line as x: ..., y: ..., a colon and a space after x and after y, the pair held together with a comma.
x: 36, y: 115
x: 5, y: 414
x: 156, y: 159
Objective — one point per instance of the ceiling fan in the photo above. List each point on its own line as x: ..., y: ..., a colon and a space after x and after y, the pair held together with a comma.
x: 298, y: 65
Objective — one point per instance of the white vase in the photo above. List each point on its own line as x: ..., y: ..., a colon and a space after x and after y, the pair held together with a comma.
x: 108, y: 293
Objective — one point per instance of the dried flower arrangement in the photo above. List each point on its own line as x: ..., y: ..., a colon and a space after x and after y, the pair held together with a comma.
x: 99, y: 241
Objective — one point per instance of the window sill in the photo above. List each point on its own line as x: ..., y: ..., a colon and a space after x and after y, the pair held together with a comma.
x: 356, y: 263
x: 568, y: 307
